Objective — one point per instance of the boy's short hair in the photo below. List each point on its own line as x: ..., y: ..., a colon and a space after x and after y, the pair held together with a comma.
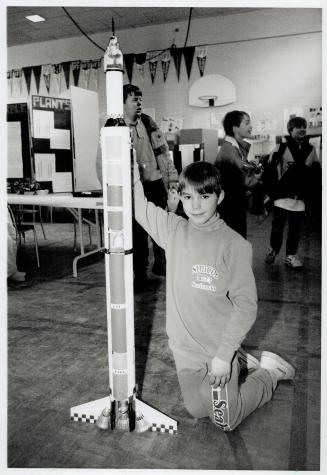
x: 296, y: 122
x: 233, y: 119
x: 131, y: 90
x: 202, y: 176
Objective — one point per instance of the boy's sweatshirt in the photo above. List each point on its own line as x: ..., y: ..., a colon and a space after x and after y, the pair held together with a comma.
x: 211, y: 294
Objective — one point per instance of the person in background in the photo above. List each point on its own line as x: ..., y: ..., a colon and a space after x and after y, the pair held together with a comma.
x: 235, y: 170
x: 211, y: 302
x: 15, y: 278
x: 158, y: 174
x: 289, y: 181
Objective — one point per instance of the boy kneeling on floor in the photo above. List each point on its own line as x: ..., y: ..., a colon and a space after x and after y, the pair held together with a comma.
x: 211, y: 301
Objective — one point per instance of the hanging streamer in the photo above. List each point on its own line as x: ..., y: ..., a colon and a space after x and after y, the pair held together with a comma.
x: 201, y: 55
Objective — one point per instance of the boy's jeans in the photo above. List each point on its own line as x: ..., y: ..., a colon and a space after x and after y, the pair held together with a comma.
x: 226, y: 407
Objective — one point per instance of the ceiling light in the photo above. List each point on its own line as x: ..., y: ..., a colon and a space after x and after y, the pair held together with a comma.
x: 35, y: 18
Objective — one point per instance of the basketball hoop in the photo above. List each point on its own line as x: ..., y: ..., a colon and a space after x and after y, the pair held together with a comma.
x: 208, y: 98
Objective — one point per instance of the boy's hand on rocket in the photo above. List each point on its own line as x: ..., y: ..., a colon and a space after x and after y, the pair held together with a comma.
x: 172, y: 200
x: 220, y: 372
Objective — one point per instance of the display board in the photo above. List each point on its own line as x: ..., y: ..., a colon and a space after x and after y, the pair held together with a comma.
x: 52, y: 144
x: 19, y: 142
x: 85, y: 128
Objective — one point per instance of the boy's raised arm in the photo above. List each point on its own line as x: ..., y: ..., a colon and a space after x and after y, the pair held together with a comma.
x: 157, y: 222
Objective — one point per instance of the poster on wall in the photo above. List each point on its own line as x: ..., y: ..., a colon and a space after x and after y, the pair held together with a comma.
x: 51, y: 135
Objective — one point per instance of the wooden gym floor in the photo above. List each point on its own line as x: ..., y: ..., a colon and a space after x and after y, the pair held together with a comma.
x: 57, y: 358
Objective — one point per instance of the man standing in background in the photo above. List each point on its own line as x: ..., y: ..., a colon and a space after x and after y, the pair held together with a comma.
x: 157, y: 172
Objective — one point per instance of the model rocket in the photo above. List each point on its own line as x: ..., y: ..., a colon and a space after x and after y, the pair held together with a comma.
x: 120, y: 409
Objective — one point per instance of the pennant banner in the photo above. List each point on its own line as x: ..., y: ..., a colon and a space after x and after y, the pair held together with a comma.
x: 76, y: 68
x: 46, y: 73
x: 37, y: 75
x: 86, y: 69
x: 140, y: 62
x: 153, y: 57
x: 129, y: 63
x: 201, y: 55
x: 57, y: 68
x: 188, y: 56
x: 27, y: 73
x: 95, y: 66
x: 176, y: 53
x: 165, y: 63
x: 10, y: 80
x: 66, y: 69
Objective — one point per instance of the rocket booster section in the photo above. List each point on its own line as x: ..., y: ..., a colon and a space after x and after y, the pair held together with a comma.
x: 117, y: 201
x: 121, y: 408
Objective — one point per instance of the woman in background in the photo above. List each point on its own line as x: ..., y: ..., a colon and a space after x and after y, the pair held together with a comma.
x: 234, y: 169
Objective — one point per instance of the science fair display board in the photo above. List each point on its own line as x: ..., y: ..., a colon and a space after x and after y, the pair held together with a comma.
x: 52, y: 143
x: 65, y: 136
x: 18, y: 143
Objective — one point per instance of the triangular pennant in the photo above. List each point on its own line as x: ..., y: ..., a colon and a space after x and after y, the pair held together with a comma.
x: 201, y: 55
x: 140, y: 58
x: 140, y: 62
x: 152, y: 57
x: 46, y: 72
x: 188, y: 56
x: 57, y: 68
x: 177, y: 57
x: 76, y: 68
x: 129, y: 63
x: 165, y: 63
x: 86, y: 68
x: 37, y: 75
x: 27, y: 73
x: 18, y: 76
x: 66, y: 68
x: 96, y: 64
x: 10, y: 80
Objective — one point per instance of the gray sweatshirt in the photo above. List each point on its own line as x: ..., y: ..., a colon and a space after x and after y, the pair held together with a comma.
x: 211, y: 298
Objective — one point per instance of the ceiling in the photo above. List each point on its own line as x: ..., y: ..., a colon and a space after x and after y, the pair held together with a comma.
x: 95, y: 20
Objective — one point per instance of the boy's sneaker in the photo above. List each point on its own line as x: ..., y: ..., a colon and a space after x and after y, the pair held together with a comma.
x: 270, y: 257
x: 277, y: 365
x: 246, y: 360
x: 293, y: 261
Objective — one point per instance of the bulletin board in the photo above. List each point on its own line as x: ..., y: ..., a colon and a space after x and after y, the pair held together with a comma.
x: 52, y: 143
x: 19, y: 142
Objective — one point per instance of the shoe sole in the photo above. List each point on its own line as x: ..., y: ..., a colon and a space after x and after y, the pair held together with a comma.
x: 293, y: 267
x: 282, y: 364
x: 250, y: 361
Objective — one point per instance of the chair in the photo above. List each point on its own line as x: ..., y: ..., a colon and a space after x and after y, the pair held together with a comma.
x: 33, y: 210
x: 22, y: 228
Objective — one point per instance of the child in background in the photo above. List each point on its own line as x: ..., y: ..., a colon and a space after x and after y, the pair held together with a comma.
x: 211, y: 302
x: 290, y: 179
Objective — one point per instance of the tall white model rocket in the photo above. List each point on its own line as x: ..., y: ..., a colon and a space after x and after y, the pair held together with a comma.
x: 121, y: 408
